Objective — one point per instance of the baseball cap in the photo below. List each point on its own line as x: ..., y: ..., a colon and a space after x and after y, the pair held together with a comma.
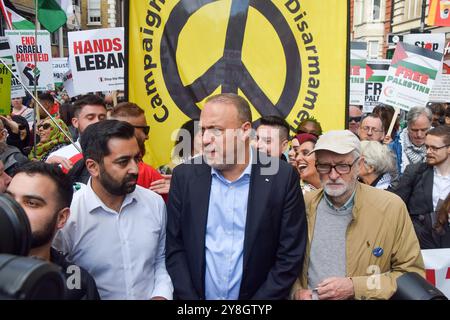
x: 338, y: 141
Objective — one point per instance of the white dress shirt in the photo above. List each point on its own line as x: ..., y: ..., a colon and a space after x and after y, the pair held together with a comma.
x: 441, y: 187
x: 124, y: 251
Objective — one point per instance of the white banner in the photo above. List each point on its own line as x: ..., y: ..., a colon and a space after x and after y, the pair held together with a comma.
x: 358, y: 59
x: 60, y: 68
x: 437, y: 265
x: 34, y: 60
x: 5, y: 52
x: 97, y: 59
x: 376, y: 71
x: 410, y: 77
x: 440, y: 92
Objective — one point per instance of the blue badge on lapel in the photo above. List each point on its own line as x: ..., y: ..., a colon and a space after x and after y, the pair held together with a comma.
x: 378, y: 252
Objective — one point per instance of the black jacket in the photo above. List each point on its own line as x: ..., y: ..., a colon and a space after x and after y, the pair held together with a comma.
x: 88, y: 288
x: 275, y: 231
x: 416, y: 189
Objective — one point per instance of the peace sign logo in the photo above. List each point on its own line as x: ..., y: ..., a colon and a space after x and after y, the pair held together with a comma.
x: 229, y: 71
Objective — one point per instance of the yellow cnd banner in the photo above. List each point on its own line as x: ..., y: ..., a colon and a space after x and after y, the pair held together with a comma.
x: 286, y: 57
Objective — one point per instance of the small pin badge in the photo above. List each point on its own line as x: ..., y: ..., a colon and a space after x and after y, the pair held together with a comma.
x: 267, y: 180
x: 378, y: 252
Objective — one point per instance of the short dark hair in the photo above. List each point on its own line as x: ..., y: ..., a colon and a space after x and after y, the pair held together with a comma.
x: 88, y: 99
x: 192, y: 127
x: 94, y: 140
x: 277, y: 122
x: 242, y: 106
x: 125, y: 110
x: 441, y: 131
x: 437, y: 108
x: 45, y: 96
x: 64, y: 187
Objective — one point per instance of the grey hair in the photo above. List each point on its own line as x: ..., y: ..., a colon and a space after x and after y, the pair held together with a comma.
x: 379, y: 156
x: 356, y: 154
x: 415, y: 112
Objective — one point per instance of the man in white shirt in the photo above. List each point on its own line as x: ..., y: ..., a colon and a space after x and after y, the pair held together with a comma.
x: 117, y: 230
x: 87, y: 110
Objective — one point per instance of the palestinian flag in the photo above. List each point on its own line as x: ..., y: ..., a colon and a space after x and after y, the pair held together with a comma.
x: 52, y: 13
x: 377, y: 69
x: 12, y: 18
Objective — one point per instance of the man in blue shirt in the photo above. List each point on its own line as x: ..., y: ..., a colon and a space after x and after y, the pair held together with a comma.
x: 236, y: 225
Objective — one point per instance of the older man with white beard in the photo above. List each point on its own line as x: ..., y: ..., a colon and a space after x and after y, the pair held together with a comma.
x: 360, y: 239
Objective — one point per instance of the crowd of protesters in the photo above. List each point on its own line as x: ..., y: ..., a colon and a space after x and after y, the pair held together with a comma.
x: 244, y: 211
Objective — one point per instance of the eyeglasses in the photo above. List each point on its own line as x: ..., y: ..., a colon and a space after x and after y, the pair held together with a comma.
x: 367, y: 129
x: 435, y: 149
x: 356, y: 119
x: 146, y: 129
x: 44, y: 126
x: 341, y: 168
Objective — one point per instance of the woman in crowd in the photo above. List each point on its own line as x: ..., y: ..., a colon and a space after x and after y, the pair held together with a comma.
x: 306, y: 162
x: 51, y: 139
x: 442, y: 225
x: 310, y: 125
x: 18, y: 109
x: 293, y: 150
x: 378, y: 167
x: 18, y: 133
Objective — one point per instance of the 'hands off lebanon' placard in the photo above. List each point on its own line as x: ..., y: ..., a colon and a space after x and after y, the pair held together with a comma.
x: 96, y: 58
x: 410, y: 77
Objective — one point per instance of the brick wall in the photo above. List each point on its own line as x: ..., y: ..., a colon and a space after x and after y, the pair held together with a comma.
x: 387, y: 24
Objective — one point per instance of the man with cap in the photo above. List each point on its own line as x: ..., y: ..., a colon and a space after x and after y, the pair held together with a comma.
x: 360, y: 239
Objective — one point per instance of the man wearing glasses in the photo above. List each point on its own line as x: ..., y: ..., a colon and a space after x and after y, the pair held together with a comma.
x: 424, y: 187
x: 371, y: 128
x: 360, y: 239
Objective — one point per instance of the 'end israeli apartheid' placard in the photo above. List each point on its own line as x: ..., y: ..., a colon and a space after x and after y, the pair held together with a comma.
x: 410, y: 77
x: 97, y: 59
x: 358, y: 58
x: 33, y: 58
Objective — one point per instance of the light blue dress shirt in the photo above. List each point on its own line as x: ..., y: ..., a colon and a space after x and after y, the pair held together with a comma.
x: 225, y: 233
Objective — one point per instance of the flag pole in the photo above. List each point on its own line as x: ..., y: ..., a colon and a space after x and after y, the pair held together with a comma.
x: 38, y: 104
x: 36, y: 108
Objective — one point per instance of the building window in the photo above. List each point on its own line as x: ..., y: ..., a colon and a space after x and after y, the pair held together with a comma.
x: 373, y: 49
x: 413, y: 9
x: 376, y: 10
x: 54, y: 37
x: 94, y: 12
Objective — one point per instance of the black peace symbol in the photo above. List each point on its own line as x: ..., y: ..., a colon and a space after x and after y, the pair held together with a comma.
x: 229, y: 71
